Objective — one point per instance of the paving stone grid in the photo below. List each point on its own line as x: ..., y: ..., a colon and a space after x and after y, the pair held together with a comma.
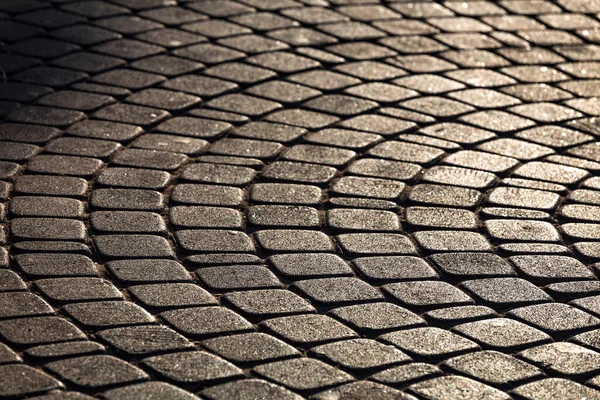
x: 287, y: 199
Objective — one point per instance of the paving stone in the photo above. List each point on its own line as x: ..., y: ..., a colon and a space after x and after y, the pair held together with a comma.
x: 76, y: 100
x: 284, y: 240
x: 362, y: 220
x: 460, y: 314
x: 343, y: 138
x: 105, y: 130
x: 149, y: 390
x: 380, y: 124
x: 170, y: 143
x: 571, y: 290
x: 127, y: 221
x: 133, y: 178
x: 54, y: 77
x: 40, y: 330
x: 564, y: 358
x: 408, y: 152
x: 335, y: 291
x: 8, y: 356
x: 515, y: 148
x: 275, y: 215
x: 128, y: 49
x: 451, y: 241
x: 207, y: 195
x: 376, y: 244
x: 426, y: 294
x: 384, y: 169
x: 439, y: 195
x: 429, y: 343
x: 588, y: 339
x: 39, y: 206
x: 308, y: 329
x: 579, y: 212
x: 521, y: 230
x: 127, y: 199
x: 179, y: 367
x: 133, y: 246
x: 533, y: 248
x: 205, y: 217
x: 550, y: 387
x: 463, y: 265
x: 45, y: 116
x: 551, y: 172
x: 502, y: 334
x: 319, y: 155
x: 96, y: 371
x: 394, y: 268
x: 65, y: 165
x: 473, y: 159
x: 164, y: 99
x: 376, y: 318
x: 19, y: 380
x: 362, y: 389
x: 268, y: 303
x: 8, y: 170
x: 50, y: 352
x: 131, y: 114
x: 206, y: 321
x: 61, y: 395
x: 23, y: 305
x: 17, y: 151
x: 536, y: 185
x: 558, y: 319
x: 48, y: 228
x: 22, y: 91
x: 451, y: 386
x: 311, y: 374
x: 92, y: 63
x: 250, y: 348
x: 309, y: 265
x: 351, y: 354
x: 400, y: 375
x: 83, y: 147
x: 77, y: 289
x: 105, y: 314
x: 522, y: 197
x: 459, y: 177
x: 144, y: 340
x: 43, y: 48
x: 237, y: 277
x: 52, y: 246
x: 545, y: 268
x: 10, y: 280
x: 45, y: 264
x: 586, y: 303
x: 505, y: 292
x: 215, y: 241
x: 583, y: 196
x: 171, y: 295
x: 220, y: 174
x: 248, y: 389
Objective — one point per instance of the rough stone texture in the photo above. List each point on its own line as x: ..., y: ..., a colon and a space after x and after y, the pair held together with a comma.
x: 299, y: 199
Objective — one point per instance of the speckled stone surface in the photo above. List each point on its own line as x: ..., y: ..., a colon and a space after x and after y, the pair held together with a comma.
x: 288, y: 199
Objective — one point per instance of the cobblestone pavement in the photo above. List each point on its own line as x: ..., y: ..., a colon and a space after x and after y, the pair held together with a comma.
x: 284, y: 199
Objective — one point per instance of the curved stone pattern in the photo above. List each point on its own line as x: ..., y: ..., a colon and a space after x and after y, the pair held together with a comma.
x: 300, y: 199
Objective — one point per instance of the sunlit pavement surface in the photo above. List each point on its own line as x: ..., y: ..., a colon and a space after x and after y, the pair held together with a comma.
x: 286, y: 199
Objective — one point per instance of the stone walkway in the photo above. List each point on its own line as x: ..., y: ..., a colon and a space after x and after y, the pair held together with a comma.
x: 287, y: 199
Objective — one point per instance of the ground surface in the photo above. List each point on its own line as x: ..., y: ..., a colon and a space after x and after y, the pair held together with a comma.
x: 293, y: 198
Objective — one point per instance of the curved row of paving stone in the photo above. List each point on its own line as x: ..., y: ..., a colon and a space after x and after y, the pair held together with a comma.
x: 349, y: 220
